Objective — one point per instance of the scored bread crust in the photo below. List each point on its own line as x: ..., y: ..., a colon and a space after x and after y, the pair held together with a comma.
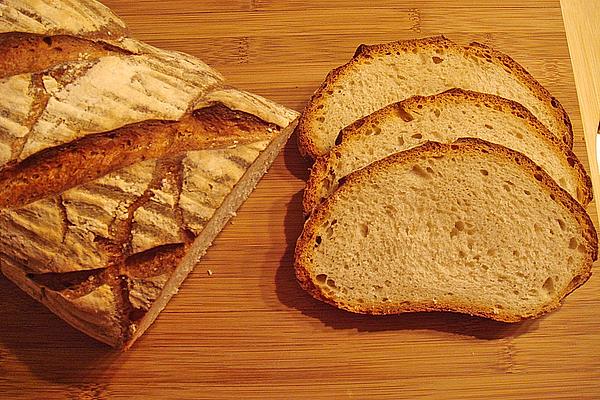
x: 85, y: 18
x: 305, y: 243
x: 116, y: 183
x: 306, y: 130
x: 322, y: 172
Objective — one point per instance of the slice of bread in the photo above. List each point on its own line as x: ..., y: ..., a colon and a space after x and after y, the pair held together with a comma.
x: 444, y: 118
x: 383, y: 74
x: 470, y: 227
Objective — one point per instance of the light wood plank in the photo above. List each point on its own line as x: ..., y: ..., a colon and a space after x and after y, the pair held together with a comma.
x: 583, y: 33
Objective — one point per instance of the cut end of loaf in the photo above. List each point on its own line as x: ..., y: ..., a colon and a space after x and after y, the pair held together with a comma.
x: 232, y: 202
x: 468, y: 227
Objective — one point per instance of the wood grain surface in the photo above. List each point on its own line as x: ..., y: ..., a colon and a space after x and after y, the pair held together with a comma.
x: 248, y: 330
x: 583, y: 35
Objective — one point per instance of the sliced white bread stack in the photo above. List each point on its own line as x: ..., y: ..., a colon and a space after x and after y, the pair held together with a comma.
x: 446, y: 117
x: 471, y: 227
x: 459, y: 200
x: 382, y: 74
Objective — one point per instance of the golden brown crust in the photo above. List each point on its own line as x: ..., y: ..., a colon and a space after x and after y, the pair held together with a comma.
x: 320, y: 183
x: 306, y: 241
x: 57, y: 169
x: 27, y: 53
x: 305, y: 134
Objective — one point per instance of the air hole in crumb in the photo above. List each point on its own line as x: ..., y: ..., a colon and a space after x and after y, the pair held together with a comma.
x: 318, y: 240
x: 329, y: 232
x: 552, y: 196
x: 429, y: 169
x: 417, y: 136
x: 581, y: 248
x: 459, y: 225
x: 488, y: 126
x: 548, y: 285
x: 491, y: 252
x: 404, y: 115
x: 387, y: 283
x: 420, y: 172
x: 400, y: 141
x: 321, y: 278
x: 390, y: 210
x: 516, y: 253
x: 321, y: 119
x: 484, y: 172
x: 538, y: 176
x: 331, y: 283
x: 470, y: 244
x: 436, y: 60
x: 527, y: 192
x: 571, y: 161
x: 573, y: 243
x: 364, y: 229
x: 462, y: 254
x: 562, y: 224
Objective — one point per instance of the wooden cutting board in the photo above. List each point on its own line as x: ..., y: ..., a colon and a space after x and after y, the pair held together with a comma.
x: 248, y: 330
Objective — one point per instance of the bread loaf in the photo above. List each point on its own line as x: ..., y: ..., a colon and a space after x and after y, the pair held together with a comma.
x: 382, y: 74
x: 116, y: 183
x: 470, y: 227
x: 444, y: 118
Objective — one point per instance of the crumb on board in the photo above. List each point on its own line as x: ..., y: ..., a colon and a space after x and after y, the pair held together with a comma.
x: 209, y: 272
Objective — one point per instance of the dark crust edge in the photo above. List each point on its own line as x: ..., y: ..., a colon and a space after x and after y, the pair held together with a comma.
x: 302, y: 264
x: 319, y: 171
x: 304, y: 131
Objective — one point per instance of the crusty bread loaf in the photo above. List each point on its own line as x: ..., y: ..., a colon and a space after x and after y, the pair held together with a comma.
x: 116, y: 183
x: 444, y: 118
x: 471, y: 227
x: 382, y: 74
